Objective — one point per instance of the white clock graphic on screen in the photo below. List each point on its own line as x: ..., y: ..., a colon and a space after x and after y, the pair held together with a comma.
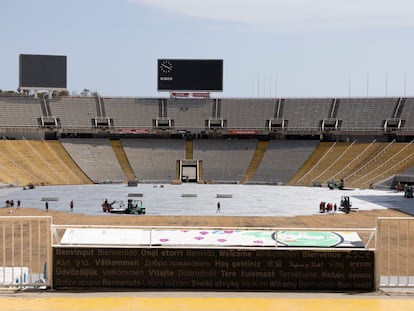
x: 166, y: 66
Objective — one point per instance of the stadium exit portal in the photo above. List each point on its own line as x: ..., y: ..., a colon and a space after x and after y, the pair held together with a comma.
x: 189, y: 170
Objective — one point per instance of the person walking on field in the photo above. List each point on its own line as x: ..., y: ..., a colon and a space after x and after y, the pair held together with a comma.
x: 71, y: 205
x: 218, y: 207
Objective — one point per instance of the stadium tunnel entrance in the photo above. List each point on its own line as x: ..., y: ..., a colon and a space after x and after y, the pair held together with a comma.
x: 189, y: 170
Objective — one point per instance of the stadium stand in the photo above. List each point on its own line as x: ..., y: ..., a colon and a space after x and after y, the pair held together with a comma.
x: 247, y: 113
x: 347, y: 158
x: 96, y: 158
x: 360, y: 165
x: 37, y: 162
x: 131, y: 112
x: 302, y: 176
x: 189, y: 114
x: 19, y: 112
x: 365, y: 113
x: 305, y: 113
x: 65, y: 163
x: 408, y: 113
x: 361, y: 140
x: 282, y: 159
x: 154, y: 160
x: 73, y: 112
x: 224, y: 160
x: 393, y: 158
x: 334, y: 160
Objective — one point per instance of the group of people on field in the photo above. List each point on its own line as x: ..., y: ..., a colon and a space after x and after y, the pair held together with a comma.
x: 327, y: 207
x: 10, y: 203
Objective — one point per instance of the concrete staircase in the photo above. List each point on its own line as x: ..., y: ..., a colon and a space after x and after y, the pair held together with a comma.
x: 122, y: 159
x: 189, y: 149
x: 255, y: 161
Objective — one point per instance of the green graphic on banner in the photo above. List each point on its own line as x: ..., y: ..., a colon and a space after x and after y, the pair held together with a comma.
x: 309, y: 238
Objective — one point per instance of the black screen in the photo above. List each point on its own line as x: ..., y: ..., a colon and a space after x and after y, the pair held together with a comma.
x: 42, y: 71
x: 190, y: 75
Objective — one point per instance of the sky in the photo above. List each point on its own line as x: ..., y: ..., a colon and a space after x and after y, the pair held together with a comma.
x: 269, y: 48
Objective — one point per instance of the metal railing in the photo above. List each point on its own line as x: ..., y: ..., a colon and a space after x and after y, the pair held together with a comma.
x: 394, y: 252
x: 25, y: 256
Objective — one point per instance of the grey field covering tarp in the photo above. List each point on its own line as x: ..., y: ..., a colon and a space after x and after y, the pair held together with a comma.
x: 242, y: 200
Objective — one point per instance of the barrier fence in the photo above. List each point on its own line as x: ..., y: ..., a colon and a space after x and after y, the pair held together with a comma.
x: 25, y: 258
x: 394, y: 252
x: 27, y: 246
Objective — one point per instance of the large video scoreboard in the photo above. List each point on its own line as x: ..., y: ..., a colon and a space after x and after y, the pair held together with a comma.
x: 190, y: 75
x: 42, y: 71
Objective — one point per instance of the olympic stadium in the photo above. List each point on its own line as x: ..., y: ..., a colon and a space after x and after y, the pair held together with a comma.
x: 183, y: 153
